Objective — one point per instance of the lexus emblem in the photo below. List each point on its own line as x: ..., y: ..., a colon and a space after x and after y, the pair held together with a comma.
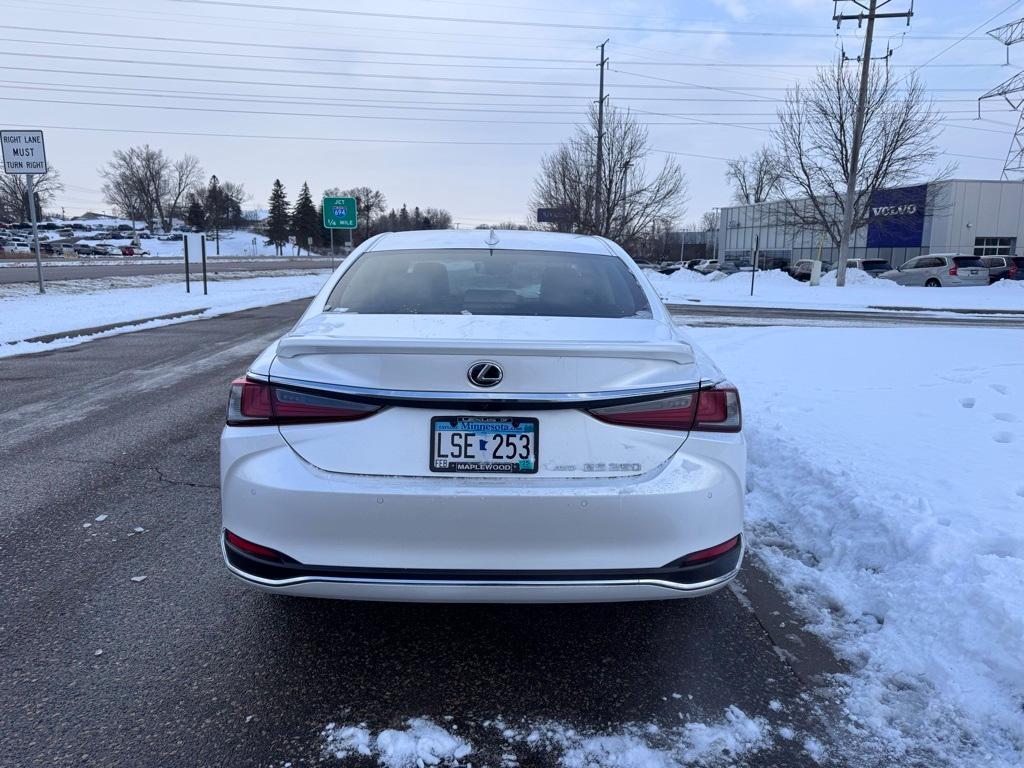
x: 485, y: 374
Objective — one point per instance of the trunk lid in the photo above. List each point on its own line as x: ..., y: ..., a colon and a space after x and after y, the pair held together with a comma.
x: 408, y: 357
x: 432, y: 353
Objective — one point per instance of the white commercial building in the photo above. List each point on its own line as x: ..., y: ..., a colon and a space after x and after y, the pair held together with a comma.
x: 984, y: 218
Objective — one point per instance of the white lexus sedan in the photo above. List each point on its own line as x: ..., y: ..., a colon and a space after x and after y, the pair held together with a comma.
x: 484, y: 416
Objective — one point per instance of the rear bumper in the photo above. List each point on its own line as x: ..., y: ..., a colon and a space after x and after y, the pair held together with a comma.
x: 459, y: 539
x: 484, y: 587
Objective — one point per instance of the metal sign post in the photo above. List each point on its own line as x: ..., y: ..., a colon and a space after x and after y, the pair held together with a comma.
x: 753, y: 261
x: 188, y: 284
x: 24, y: 152
x: 340, y: 213
x: 202, y: 248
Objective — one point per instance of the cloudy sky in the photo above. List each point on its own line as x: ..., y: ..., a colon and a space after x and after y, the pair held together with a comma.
x: 451, y: 103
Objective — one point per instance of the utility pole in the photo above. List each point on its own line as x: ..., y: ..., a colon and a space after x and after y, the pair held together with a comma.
x: 598, y: 217
x: 871, y: 7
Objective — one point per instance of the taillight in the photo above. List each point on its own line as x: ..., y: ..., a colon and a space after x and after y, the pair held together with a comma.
x: 712, y: 552
x: 1012, y: 271
x: 706, y: 410
x: 952, y: 271
x: 251, y: 548
x: 253, y: 403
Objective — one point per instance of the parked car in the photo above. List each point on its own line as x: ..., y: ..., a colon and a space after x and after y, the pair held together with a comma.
x: 173, y: 237
x: 429, y: 481
x: 801, y: 270
x: 940, y: 270
x: 1004, y: 267
x: 84, y: 249
x: 669, y: 267
x: 102, y: 249
x: 706, y: 266
x: 874, y: 267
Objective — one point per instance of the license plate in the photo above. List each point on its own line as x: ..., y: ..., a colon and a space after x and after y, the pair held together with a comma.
x: 501, y: 444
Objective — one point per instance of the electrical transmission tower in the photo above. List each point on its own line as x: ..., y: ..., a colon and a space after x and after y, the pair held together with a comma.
x: 1013, y: 91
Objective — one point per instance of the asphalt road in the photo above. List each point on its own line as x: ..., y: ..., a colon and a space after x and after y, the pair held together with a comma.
x: 58, y: 271
x: 190, y: 668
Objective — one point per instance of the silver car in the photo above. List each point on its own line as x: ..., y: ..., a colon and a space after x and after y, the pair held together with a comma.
x: 940, y: 270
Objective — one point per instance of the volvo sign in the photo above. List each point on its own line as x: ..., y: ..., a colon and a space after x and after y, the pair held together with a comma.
x: 896, y: 217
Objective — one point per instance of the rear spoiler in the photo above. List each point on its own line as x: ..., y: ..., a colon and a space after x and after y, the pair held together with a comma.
x: 296, y: 346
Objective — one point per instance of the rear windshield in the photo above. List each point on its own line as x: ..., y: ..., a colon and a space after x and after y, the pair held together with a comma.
x: 485, y: 282
x: 968, y: 261
x: 875, y: 264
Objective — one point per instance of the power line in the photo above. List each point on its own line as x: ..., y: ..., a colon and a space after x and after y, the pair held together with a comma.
x: 376, y: 52
x: 265, y: 56
x: 677, y: 85
x: 688, y: 85
x: 343, y: 116
x: 417, y: 91
x: 291, y: 137
x: 249, y: 6
x: 959, y: 40
x: 376, y: 104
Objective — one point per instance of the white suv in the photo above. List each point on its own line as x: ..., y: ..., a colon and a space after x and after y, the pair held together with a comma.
x: 940, y: 270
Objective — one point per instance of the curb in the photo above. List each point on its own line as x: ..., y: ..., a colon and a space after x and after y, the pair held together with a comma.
x: 103, y: 328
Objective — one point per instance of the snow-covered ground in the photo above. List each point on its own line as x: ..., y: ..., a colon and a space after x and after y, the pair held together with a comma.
x: 425, y: 743
x: 775, y: 288
x: 88, y: 304
x: 887, y: 497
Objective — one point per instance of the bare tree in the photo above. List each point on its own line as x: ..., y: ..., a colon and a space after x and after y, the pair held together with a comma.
x: 186, y: 174
x: 634, y: 203
x: 754, y: 179
x: 142, y: 182
x: 370, y: 203
x: 14, y: 194
x: 815, y: 135
x: 436, y: 218
x: 709, y: 221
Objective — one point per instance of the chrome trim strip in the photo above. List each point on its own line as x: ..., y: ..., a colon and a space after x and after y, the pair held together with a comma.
x: 571, y: 398
x: 413, y: 583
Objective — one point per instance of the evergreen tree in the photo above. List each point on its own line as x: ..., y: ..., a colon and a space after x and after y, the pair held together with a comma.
x: 278, y: 221
x: 404, y: 223
x: 195, y: 217
x: 305, y: 222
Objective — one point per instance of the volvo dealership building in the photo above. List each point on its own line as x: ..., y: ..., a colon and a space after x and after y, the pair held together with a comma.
x: 983, y: 218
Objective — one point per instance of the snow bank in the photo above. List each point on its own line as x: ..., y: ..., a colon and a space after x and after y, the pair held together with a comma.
x: 29, y: 315
x: 423, y: 742
x: 650, y: 746
x: 775, y: 288
x: 887, y: 496
x: 420, y: 743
